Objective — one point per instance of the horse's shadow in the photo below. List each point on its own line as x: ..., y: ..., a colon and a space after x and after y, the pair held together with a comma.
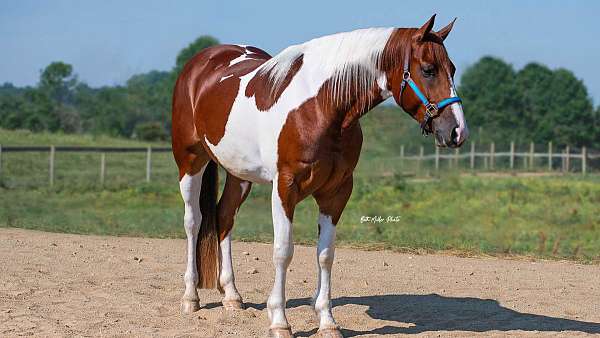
x: 425, y: 313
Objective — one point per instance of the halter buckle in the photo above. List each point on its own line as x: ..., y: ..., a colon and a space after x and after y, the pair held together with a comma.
x: 431, y: 109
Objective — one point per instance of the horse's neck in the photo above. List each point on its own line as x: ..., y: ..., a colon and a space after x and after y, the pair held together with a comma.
x: 359, y: 105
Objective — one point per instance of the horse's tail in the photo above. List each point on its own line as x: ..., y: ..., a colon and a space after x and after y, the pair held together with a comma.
x: 207, y: 248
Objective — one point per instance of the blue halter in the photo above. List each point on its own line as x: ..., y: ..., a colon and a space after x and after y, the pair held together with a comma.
x: 431, y: 109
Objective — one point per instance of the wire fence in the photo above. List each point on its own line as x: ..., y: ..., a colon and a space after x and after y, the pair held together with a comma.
x: 27, y: 166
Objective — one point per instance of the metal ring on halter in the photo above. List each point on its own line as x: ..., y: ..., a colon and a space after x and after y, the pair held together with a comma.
x: 406, y: 75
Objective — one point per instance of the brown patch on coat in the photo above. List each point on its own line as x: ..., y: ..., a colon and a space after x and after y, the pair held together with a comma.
x: 261, y: 87
x: 319, y: 146
x: 202, y: 100
x: 229, y: 203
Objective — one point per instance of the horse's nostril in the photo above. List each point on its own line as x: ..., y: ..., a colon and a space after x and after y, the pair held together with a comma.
x: 454, y: 135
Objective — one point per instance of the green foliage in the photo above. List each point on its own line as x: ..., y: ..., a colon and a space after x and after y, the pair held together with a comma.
x: 150, y: 131
x: 61, y: 103
x: 192, y: 49
x: 57, y: 81
x: 534, y: 104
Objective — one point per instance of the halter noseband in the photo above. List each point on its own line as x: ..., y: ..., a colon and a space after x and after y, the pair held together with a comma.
x: 431, y: 109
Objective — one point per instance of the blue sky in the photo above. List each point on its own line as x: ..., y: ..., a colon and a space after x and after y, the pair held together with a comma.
x: 108, y: 41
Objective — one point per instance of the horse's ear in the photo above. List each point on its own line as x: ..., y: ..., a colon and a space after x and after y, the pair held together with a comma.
x: 422, y: 32
x: 443, y: 33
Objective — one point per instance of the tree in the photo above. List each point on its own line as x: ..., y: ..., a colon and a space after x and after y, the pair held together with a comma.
x: 535, y: 104
x: 58, y: 81
x: 192, y: 49
x: 491, y: 99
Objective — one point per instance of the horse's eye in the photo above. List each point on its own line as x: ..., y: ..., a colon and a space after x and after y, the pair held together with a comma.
x: 428, y: 71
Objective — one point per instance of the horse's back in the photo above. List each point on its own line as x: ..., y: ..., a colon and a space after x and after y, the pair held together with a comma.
x: 204, y: 94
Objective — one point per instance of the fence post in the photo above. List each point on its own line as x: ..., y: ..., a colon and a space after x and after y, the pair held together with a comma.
x: 402, y: 156
x: 456, y: 153
x: 472, y: 155
x: 567, y: 159
x: 512, y: 155
x: 51, y: 166
x: 583, y: 160
x: 437, y: 158
x: 550, y: 156
x: 0, y: 162
x: 420, y: 159
x: 531, y: 158
x: 492, y: 155
x: 148, y: 163
x: 102, y: 168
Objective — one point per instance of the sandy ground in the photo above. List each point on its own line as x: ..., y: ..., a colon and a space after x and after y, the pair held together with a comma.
x: 71, y: 285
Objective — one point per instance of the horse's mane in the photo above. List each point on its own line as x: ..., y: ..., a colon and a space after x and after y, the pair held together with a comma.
x: 348, y: 59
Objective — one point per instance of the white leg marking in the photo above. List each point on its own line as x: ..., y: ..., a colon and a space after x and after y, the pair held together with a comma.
x: 226, y: 278
x: 283, y: 250
x: 190, y: 192
x: 325, y: 254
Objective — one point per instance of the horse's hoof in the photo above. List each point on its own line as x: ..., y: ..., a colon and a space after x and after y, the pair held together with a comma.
x: 280, y: 333
x: 329, y: 333
x: 233, y: 305
x: 189, y: 306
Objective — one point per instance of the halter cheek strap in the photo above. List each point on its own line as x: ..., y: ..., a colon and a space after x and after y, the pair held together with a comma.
x: 431, y: 109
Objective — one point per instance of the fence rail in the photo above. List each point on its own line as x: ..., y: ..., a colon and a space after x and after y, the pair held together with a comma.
x: 52, y: 150
x: 488, y: 160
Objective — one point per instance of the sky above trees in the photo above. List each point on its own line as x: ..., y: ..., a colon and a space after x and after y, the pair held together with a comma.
x: 107, y: 42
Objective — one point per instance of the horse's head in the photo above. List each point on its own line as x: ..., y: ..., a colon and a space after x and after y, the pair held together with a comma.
x: 423, y: 85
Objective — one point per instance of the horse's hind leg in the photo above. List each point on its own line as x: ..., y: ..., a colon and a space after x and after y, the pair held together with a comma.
x: 234, y: 194
x: 190, y: 185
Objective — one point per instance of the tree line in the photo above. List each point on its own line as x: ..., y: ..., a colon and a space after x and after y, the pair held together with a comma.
x: 60, y: 102
x: 534, y: 103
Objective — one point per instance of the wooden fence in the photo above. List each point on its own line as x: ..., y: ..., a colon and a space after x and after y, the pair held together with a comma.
x: 52, y: 150
x: 489, y: 157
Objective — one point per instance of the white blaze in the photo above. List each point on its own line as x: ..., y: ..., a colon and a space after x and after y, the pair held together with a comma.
x: 462, y: 131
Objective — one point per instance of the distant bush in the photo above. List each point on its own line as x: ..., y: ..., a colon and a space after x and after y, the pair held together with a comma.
x: 150, y: 131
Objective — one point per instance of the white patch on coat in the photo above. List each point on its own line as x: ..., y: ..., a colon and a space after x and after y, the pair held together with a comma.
x: 225, y: 77
x: 335, y: 55
x: 248, y: 148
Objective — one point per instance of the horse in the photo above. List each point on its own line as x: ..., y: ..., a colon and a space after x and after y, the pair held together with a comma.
x: 292, y: 121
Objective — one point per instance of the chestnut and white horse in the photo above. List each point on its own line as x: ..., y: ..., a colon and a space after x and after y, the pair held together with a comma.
x: 292, y: 121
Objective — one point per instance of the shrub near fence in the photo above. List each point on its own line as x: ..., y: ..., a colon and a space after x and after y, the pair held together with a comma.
x: 30, y: 166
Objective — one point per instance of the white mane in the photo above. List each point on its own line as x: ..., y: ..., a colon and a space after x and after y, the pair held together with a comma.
x: 343, y: 57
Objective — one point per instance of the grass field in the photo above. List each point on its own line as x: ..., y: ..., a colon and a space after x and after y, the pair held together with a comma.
x: 542, y: 216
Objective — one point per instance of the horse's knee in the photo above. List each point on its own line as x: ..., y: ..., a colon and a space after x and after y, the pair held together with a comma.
x: 283, y: 253
x: 326, y: 257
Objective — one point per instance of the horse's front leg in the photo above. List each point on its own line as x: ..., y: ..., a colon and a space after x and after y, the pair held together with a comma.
x: 283, y: 250
x: 331, y: 204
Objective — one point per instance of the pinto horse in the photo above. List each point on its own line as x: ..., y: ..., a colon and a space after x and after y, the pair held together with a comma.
x: 292, y: 121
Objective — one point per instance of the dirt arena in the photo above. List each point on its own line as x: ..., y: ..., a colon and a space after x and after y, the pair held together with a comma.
x: 72, y: 285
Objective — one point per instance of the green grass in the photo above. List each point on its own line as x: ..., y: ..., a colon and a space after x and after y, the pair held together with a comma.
x: 547, y: 217
x: 28, y: 138
x: 541, y: 216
